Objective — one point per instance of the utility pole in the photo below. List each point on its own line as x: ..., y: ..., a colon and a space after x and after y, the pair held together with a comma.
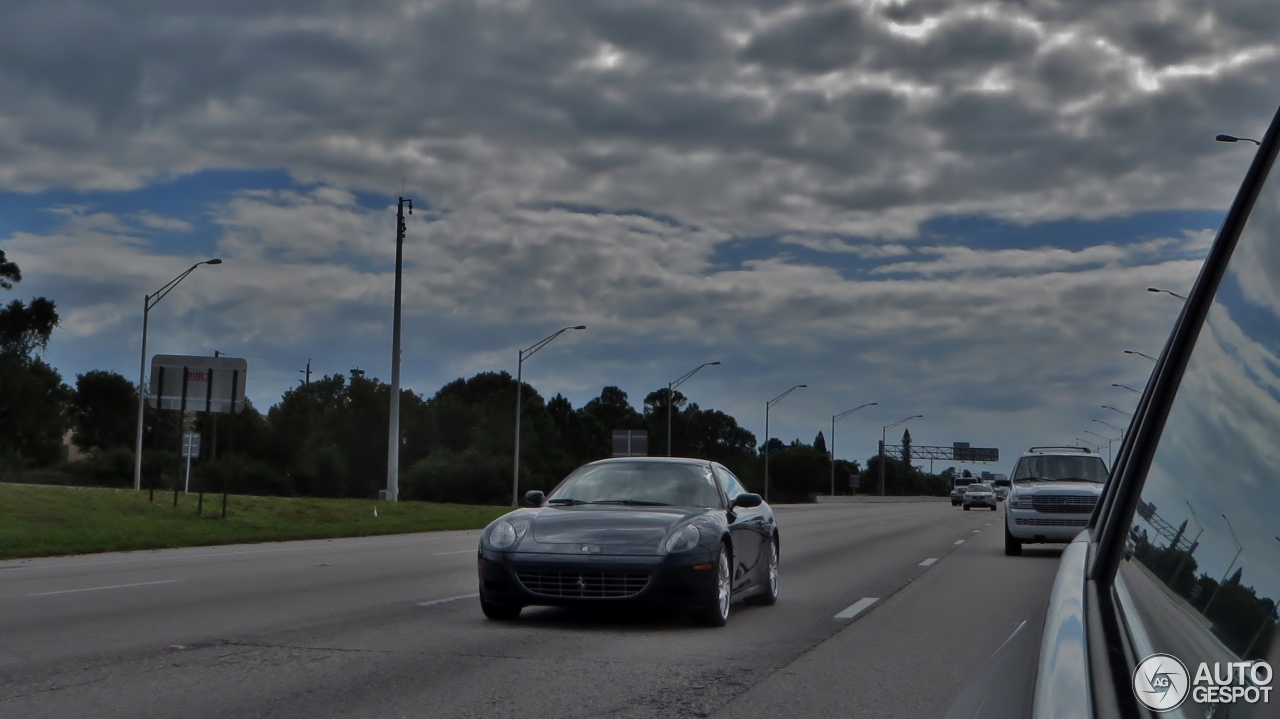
x: 307, y: 372
x: 213, y: 445
x: 393, y: 433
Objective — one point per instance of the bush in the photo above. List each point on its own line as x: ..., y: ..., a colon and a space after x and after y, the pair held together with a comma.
x: 469, y: 477
x: 111, y: 467
x: 242, y: 475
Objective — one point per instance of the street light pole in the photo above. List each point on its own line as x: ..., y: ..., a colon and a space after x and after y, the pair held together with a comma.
x: 1231, y: 566
x: 1125, y: 386
x: 148, y: 302
x: 393, y: 429
x: 671, y: 386
x: 883, y: 434
x: 1108, y: 439
x: 1133, y: 352
x: 523, y: 355
x: 832, y: 443
x: 1113, y: 409
x: 767, y: 406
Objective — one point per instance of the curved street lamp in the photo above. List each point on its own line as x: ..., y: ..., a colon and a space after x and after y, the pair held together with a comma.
x: 671, y: 386
x: 884, y: 433
x: 1114, y: 409
x: 767, y: 406
x: 1167, y: 292
x: 832, y: 444
x: 1233, y: 138
x: 1125, y: 386
x: 1134, y: 352
x: 523, y: 355
x: 148, y: 302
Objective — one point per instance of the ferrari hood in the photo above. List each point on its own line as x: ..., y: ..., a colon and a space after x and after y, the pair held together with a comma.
x: 633, y: 526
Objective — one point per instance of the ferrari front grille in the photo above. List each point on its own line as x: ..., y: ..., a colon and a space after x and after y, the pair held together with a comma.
x: 584, y: 584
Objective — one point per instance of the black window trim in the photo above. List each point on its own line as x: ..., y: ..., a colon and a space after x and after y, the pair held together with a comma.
x: 1111, y: 660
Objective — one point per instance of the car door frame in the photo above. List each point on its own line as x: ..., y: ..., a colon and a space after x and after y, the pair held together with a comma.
x: 745, y: 529
x: 1109, y: 651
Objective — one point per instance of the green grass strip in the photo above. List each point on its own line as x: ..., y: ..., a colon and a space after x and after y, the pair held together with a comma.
x: 38, y: 521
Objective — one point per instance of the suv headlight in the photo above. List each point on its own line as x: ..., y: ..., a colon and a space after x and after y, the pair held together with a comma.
x: 1018, y: 502
x: 506, y: 533
x: 684, y: 540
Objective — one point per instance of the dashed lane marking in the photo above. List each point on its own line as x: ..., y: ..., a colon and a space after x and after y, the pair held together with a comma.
x: 929, y: 562
x: 857, y: 608
x: 434, y: 602
x: 110, y: 586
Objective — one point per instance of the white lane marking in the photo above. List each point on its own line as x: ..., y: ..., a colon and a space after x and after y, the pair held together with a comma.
x: 464, y: 551
x: 1014, y: 634
x: 929, y: 562
x: 111, y: 586
x: 434, y: 602
x: 976, y: 531
x: 857, y: 608
x: 958, y: 541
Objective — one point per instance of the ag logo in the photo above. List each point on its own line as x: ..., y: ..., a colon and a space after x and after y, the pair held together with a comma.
x: 1161, y: 682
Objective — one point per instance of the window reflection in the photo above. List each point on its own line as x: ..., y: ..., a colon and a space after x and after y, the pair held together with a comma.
x: 1201, y: 575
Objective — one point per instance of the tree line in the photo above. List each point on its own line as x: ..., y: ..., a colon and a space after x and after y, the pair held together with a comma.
x: 328, y: 437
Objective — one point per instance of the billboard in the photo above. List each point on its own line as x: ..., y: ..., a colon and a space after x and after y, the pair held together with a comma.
x: 630, y: 443
x: 962, y: 452
x: 198, y: 384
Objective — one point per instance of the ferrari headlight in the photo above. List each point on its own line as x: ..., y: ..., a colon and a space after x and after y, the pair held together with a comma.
x: 684, y: 540
x: 505, y: 534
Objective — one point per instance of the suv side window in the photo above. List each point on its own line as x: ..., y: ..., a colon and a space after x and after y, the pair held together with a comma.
x: 1200, y: 575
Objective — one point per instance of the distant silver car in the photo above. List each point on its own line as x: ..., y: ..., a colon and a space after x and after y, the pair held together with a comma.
x: 979, y: 495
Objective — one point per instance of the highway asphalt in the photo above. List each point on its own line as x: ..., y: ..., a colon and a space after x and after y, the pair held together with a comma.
x: 866, y: 625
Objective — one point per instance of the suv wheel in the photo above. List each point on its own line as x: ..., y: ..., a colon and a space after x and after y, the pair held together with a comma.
x: 1012, y: 547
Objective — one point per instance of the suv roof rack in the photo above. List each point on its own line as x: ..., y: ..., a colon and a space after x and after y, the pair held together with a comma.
x: 1086, y: 450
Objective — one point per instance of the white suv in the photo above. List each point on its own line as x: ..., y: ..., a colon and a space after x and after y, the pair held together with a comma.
x: 1054, y: 491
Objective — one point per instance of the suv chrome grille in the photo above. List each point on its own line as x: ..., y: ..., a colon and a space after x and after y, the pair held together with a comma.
x: 1035, y: 522
x: 1064, y: 504
x: 583, y: 584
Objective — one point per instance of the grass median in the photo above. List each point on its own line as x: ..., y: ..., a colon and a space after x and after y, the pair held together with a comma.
x: 38, y: 521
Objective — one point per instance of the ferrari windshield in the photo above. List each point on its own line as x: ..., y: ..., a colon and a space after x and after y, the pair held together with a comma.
x: 1085, y: 468
x: 685, y: 485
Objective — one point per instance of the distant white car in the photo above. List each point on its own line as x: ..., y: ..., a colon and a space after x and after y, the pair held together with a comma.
x: 980, y: 495
x: 1054, y: 491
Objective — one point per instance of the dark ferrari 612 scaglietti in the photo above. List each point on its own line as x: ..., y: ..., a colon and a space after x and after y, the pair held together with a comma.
x: 663, y: 531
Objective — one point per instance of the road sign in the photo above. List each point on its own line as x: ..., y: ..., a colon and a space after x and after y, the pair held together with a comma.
x: 211, y: 384
x: 630, y: 443
x: 190, y: 445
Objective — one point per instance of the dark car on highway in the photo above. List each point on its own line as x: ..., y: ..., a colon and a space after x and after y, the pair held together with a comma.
x: 667, y: 532
x: 1165, y: 603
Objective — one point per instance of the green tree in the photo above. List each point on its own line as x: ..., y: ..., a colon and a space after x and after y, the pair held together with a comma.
x: 103, y: 411
x: 906, y: 447
x: 820, y: 442
x: 33, y: 400
x: 33, y: 412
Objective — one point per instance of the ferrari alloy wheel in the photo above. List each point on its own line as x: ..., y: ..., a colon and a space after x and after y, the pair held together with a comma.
x: 715, y: 613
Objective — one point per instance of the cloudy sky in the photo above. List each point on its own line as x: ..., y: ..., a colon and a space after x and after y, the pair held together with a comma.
x: 951, y: 209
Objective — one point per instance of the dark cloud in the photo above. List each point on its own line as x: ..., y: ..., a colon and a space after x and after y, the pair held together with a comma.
x: 831, y: 38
